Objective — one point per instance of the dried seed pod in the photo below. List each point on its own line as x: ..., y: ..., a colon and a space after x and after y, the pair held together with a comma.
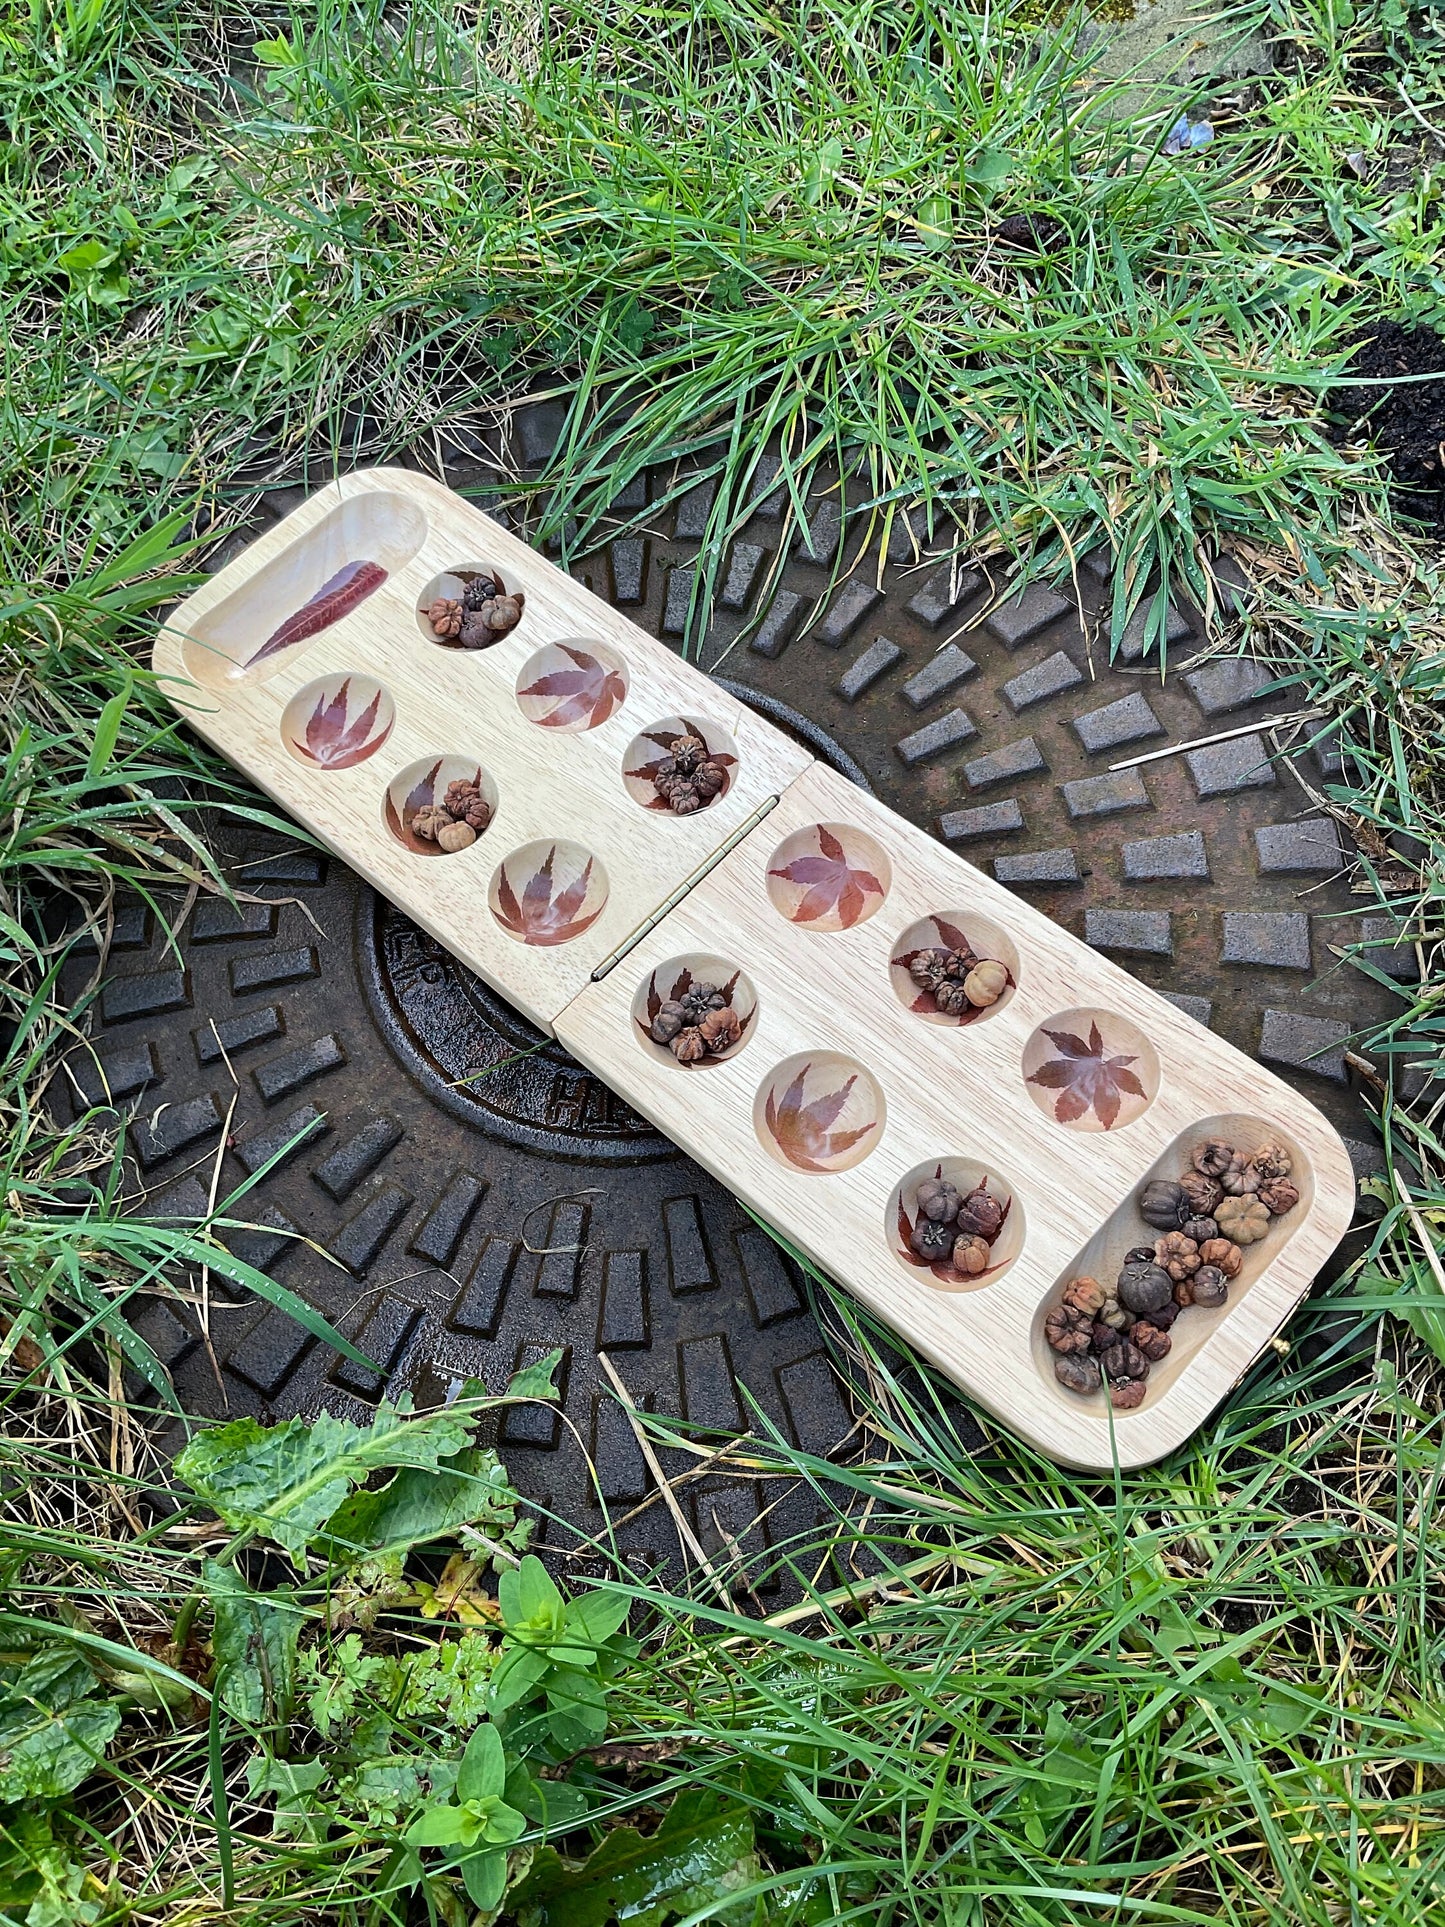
x: 1105, y: 1336
x: 1127, y: 1394
x: 689, y: 1046
x: 926, y: 969
x: 1199, y: 1229
x: 708, y: 780
x: 1223, y: 1255
x: 1125, y: 1360
x: 453, y: 836
x: 1201, y: 1194
x: 1142, y: 1288
x: 668, y: 1022
x: 1078, y: 1372
x: 1212, y: 1156
x: 466, y: 804
x: 1244, y: 1220
x: 1240, y: 1178
x: 1210, y: 1287
x: 1177, y: 1255
x: 685, y: 800
x: 1116, y: 1316
x: 1140, y: 1255
x: 1151, y: 1339
x: 970, y: 1256
x: 698, y: 999
x: 985, y: 983
x: 1084, y: 1294
x: 958, y: 963
x: 1278, y: 1195
x: 933, y: 1241
x: 481, y: 590
x: 950, y: 997
x: 1273, y: 1160
x: 1184, y: 1293
x: 686, y: 753
x: 474, y: 633
x: 1161, y: 1204
x: 445, y: 617
x: 938, y: 1199
x: 720, y: 1030
x: 1163, y: 1316
x: 429, y: 819
x: 980, y: 1214
x: 502, y: 614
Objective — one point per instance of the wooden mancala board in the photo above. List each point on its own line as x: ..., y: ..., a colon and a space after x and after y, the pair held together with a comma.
x: 849, y: 1072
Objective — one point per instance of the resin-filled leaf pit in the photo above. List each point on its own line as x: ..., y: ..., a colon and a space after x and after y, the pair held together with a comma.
x: 828, y: 877
x: 571, y: 686
x: 672, y: 983
x: 338, y: 721
x: 973, y: 1181
x: 955, y: 931
x: 819, y: 1112
x: 423, y: 785
x: 548, y: 893
x: 320, y: 578
x: 1091, y: 1070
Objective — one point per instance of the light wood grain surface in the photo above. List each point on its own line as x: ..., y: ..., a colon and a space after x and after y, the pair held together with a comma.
x: 831, y: 1002
x: 959, y: 1093
x: 551, y: 784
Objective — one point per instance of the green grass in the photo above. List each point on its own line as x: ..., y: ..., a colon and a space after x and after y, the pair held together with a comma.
x: 238, y: 246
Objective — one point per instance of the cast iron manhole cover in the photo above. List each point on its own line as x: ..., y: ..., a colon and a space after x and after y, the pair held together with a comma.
x: 468, y: 1197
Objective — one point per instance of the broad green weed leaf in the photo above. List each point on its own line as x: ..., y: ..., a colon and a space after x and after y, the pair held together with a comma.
x: 536, y: 1380
x: 52, y: 1734
x: 254, y: 1643
x: 419, y: 1504
x: 703, y: 1852
x: 285, y: 1481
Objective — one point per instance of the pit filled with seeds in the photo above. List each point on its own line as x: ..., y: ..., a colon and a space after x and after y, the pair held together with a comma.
x: 1202, y: 1233
x: 679, y: 765
x: 439, y: 806
x: 469, y: 608
x: 955, y: 1222
x: 954, y: 968
x: 694, y: 1010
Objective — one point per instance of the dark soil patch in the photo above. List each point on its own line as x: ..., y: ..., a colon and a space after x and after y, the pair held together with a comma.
x: 1407, y: 423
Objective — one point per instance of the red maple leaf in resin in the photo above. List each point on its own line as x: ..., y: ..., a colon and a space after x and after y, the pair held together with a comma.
x: 539, y: 917
x: 587, y: 693
x: 830, y: 884
x: 1086, y: 1077
x: 332, y: 741
x: 337, y: 597
x: 802, y: 1131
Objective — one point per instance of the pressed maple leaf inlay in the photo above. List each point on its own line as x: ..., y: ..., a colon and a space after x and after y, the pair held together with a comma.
x: 837, y: 892
x: 544, y: 915
x: 802, y: 1127
x: 577, y: 698
x: 334, y: 738
x: 1087, y: 1077
x: 351, y: 584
